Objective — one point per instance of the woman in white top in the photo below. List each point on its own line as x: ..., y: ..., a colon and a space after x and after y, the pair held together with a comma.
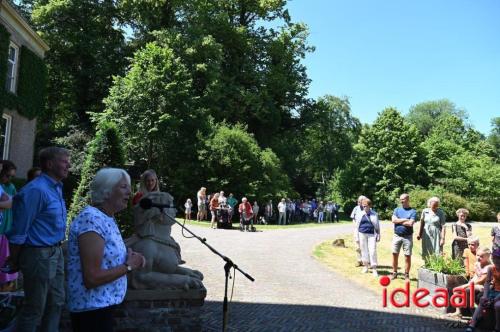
x: 98, y: 260
x: 201, y: 197
x: 255, y: 209
x: 368, y: 233
x: 187, y: 206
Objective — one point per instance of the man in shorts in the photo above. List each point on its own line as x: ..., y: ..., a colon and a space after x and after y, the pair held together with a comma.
x: 403, y: 219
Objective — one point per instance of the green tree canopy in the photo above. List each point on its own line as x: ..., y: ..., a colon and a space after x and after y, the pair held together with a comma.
x: 387, y: 161
x: 494, y: 137
x: 86, y: 50
x: 327, y: 135
x: 235, y: 162
x: 156, y: 106
x: 424, y: 115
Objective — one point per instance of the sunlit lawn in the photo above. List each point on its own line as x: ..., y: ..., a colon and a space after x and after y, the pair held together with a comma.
x: 343, y: 260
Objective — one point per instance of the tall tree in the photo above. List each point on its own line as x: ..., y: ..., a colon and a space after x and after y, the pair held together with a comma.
x: 105, y: 150
x: 328, y: 133
x: 494, y: 137
x: 86, y: 49
x: 156, y: 106
x: 424, y: 115
x: 260, y: 80
x: 387, y: 160
x: 459, y: 159
x: 233, y: 160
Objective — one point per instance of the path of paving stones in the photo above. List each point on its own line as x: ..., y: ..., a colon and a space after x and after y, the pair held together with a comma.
x: 292, y: 290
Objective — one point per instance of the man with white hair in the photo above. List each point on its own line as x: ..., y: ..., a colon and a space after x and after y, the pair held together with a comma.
x: 35, y: 240
x: 357, y: 209
x: 222, y: 199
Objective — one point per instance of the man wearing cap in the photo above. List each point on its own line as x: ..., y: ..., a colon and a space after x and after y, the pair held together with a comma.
x: 403, y: 219
x: 35, y: 239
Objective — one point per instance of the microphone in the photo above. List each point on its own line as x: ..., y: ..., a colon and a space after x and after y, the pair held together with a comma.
x: 147, y: 203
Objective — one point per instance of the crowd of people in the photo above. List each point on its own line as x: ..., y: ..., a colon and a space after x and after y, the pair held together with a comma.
x: 431, y: 232
x: 33, y: 226
x: 8, y: 190
x: 287, y: 211
x: 481, y: 272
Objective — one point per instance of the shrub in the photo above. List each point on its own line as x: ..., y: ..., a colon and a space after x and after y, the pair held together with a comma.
x: 104, y: 150
x: 444, y: 264
x: 480, y: 210
x: 450, y: 203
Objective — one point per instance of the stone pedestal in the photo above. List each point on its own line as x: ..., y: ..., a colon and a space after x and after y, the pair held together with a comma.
x: 156, y: 311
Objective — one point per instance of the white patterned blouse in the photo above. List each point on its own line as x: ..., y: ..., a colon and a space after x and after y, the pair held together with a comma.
x: 79, y: 298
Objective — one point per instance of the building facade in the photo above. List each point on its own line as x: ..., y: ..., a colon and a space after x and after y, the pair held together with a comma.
x: 22, y: 89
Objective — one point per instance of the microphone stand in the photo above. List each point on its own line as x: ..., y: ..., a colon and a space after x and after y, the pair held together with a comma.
x: 227, y: 267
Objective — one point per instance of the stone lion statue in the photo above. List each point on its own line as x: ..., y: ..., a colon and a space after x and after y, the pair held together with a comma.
x: 163, y: 254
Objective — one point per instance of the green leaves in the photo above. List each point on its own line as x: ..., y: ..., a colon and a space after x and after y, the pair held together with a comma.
x: 444, y: 264
x: 387, y: 157
x: 105, y: 150
x: 236, y: 163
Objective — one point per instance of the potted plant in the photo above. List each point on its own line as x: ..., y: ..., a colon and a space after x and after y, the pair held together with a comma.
x: 441, y: 272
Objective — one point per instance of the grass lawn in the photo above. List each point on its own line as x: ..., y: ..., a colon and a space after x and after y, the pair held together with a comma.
x: 342, y: 260
x: 272, y: 226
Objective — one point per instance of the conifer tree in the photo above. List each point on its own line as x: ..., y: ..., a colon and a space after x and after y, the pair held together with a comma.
x: 105, y: 150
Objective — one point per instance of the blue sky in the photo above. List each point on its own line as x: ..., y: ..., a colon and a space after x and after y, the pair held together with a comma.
x: 400, y: 53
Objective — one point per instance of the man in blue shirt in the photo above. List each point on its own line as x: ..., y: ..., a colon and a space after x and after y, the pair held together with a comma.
x: 35, y: 242
x: 403, y: 219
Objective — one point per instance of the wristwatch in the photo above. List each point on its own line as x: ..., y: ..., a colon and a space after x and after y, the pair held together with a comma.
x: 129, y: 268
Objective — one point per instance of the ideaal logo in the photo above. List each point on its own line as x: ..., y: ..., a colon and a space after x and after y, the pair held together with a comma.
x: 440, y: 299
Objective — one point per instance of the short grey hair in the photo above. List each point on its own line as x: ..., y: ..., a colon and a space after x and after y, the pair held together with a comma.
x: 432, y: 199
x: 103, y: 183
x: 51, y: 153
x: 361, y: 198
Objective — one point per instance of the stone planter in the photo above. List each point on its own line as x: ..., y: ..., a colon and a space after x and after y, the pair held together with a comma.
x: 432, y: 280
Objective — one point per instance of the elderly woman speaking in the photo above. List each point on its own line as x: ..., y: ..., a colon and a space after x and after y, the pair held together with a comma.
x: 98, y: 260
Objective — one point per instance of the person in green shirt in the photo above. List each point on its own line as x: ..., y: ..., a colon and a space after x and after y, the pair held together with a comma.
x: 7, y: 172
x: 231, y: 201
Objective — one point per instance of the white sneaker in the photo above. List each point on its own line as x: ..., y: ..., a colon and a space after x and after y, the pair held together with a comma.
x: 375, y: 273
x: 365, y: 270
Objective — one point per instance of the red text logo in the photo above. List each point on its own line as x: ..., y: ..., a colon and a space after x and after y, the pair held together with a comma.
x: 422, y: 297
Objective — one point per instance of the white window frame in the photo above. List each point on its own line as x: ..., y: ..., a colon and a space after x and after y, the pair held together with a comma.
x: 13, y: 80
x: 6, y: 131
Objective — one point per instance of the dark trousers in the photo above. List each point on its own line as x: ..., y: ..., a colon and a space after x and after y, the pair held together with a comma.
x: 43, y: 273
x: 304, y: 217
x: 335, y: 215
x: 99, y: 320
